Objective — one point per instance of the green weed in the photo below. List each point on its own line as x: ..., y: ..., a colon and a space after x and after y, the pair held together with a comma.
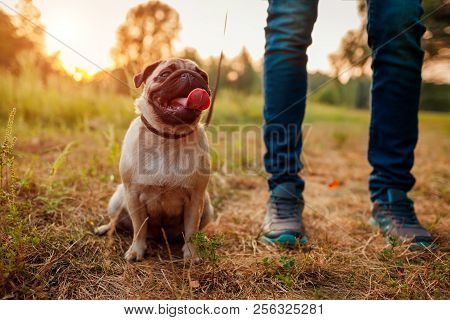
x: 61, y: 159
x: 15, y: 234
x: 388, y: 253
x: 7, y: 170
x: 207, y: 247
x: 280, y: 269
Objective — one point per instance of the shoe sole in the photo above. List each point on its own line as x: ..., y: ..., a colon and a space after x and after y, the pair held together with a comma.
x: 413, y: 246
x: 285, y: 240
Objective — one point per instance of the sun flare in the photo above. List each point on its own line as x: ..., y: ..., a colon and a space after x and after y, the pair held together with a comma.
x: 80, y: 74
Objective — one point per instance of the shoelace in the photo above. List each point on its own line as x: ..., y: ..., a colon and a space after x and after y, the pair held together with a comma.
x: 286, y: 208
x: 400, y: 212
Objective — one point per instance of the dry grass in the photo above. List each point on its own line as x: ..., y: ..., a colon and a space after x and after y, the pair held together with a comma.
x: 51, y: 252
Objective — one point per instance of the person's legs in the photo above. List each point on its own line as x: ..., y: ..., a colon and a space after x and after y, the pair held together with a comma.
x: 288, y: 34
x: 395, y: 31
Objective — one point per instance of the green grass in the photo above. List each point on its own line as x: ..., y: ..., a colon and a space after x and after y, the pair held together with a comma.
x: 61, y: 103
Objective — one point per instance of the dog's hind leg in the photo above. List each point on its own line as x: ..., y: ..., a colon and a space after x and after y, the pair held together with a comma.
x: 208, y: 212
x: 116, y: 211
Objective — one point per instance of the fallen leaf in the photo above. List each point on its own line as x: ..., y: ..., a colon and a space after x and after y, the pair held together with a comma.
x: 194, y: 284
x: 334, y: 184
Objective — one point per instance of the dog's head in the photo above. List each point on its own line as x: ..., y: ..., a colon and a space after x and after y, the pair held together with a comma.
x: 168, y: 83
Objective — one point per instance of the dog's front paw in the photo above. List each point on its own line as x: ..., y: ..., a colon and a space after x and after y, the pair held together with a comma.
x: 101, y: 230
x: 136, y: 252
x: 189, y: 253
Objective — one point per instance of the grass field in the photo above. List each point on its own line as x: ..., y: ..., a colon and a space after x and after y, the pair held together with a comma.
x: 66, y: 167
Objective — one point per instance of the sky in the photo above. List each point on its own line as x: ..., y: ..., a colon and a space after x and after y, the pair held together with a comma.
x: 89, y: 27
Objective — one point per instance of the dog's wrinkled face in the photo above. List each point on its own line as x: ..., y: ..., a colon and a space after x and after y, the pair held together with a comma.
x: 167, y: 86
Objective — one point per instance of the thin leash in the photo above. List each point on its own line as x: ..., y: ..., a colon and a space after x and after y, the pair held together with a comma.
x: 216, y: 85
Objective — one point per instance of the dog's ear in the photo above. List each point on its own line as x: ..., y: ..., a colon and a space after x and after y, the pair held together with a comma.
x: 141, y: 77
x: 202, y: 73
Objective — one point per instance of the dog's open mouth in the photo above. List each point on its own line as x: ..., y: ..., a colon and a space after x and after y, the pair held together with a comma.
x: 181, y: 98
x: 197, y: 99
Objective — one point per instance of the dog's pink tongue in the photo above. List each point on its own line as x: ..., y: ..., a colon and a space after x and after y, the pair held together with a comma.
x: 197, y: 99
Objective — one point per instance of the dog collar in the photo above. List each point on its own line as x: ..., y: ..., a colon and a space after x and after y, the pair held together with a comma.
x: 166, y: 135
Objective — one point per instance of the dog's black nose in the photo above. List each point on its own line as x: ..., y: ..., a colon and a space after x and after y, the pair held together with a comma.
x: 186, y: 76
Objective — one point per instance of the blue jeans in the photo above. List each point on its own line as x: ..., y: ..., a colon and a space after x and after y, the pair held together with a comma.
x: 394, y: 31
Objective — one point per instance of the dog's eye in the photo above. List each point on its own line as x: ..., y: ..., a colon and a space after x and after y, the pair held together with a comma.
x: 165, y: 74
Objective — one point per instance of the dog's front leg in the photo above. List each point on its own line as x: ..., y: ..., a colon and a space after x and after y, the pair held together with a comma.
x: 192, y: 216
x: 138, y: 215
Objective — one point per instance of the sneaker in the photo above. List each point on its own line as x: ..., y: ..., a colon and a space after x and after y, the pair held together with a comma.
x: 397, y: 218
x: 283, y: 222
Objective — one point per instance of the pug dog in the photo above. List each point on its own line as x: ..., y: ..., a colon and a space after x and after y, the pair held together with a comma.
x: 165, y: 162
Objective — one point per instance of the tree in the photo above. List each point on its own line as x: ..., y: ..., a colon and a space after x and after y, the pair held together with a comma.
x: 192, y: 54
x: 242, y: 75
x: 211, y: 66
x: 29, y: 25
x: 11, y: 44
x: 146, y: 35
x: 436, y: 40
x: 353, y: 56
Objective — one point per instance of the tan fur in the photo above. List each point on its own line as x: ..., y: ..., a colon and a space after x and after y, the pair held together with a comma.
x: 164, y: 180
